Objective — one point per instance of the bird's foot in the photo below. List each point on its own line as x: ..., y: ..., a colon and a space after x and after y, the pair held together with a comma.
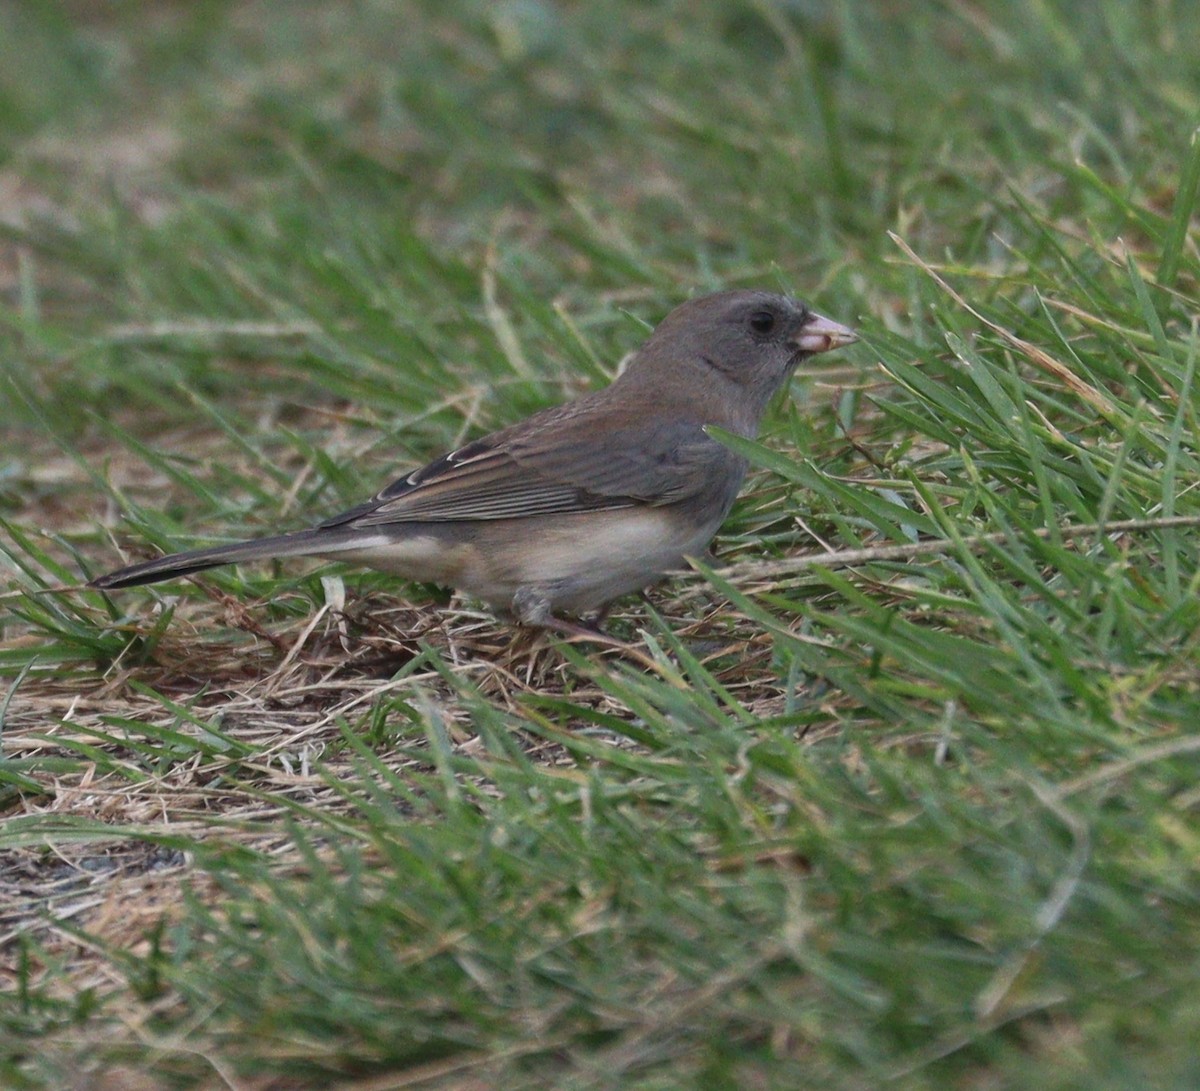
x: 531, y: 607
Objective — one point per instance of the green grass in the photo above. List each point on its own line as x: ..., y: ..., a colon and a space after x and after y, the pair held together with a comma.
x: 924, y: 820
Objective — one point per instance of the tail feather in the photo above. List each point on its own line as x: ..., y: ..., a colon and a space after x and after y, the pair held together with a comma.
x: 298, y: 544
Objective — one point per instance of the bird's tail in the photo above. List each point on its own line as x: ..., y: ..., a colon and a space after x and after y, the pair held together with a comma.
x: 298, y: 544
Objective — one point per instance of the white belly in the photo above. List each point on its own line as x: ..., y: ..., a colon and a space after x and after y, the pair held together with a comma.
x: 578, y: 562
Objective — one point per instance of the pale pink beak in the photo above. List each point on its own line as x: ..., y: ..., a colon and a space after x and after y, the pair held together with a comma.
x: 820, y: 334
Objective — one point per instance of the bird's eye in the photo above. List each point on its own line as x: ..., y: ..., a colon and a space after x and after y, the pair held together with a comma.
x: 762, y: 321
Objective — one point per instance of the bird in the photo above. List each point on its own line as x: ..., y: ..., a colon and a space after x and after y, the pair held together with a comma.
x: 551, y: 519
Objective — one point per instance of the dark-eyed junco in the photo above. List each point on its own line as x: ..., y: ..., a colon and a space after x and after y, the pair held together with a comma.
x: 565, y: 511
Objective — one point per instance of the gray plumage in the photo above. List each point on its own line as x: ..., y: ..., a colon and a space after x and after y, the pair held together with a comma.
x: 581, y: 503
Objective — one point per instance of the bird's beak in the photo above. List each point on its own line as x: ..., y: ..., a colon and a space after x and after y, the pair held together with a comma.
x: 820, y: 334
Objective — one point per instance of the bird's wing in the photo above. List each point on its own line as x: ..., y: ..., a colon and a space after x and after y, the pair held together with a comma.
x: 555, y: 468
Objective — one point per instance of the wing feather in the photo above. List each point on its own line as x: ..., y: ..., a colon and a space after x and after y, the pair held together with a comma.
x: 554, y: 465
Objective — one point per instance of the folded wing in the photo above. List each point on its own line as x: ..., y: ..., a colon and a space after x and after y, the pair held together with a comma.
x: 557, y: 468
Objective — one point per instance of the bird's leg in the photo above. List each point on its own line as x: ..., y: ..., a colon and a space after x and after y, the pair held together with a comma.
x: 531, y: 606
